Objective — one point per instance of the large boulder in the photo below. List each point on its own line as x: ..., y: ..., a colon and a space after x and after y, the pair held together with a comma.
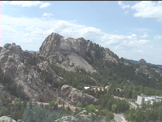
x: 83, y: 116
x: 67, y: 119
x: 6, y: 119
x: 74, y: 95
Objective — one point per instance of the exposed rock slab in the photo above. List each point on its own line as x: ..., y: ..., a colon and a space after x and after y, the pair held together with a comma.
x: 74, y: 95
x: 72, y: 54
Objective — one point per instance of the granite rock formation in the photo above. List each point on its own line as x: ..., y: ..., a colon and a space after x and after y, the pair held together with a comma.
x: 74, y: 95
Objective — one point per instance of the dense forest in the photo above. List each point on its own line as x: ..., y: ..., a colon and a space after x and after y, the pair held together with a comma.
x: 128, y: 88
x: 147, y: 113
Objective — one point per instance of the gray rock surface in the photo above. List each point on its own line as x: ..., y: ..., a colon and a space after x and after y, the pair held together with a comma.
x: 26, y: 70
x: 82, y: 116
x: 142, y: 70
x: 142, y: 62
x: 1, y: 49
x: 70, y: 53
x: 74, y: 95
x: 32, y: 70
x: 67, y: 119
x: 6, y: 119
x: 147, y: 69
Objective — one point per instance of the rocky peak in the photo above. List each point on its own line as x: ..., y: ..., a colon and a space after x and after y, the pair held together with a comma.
x: 57, y: 43
x: 11, y: 51
x: 51, y: 44
x: 71, y: 54
x: 142, y: 62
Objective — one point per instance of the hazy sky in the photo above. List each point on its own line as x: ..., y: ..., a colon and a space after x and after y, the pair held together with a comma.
x: 131, y: 30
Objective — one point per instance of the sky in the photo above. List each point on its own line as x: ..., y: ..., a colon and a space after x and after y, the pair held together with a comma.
x: 131, y: 29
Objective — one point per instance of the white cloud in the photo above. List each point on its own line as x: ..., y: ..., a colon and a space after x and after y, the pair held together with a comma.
x: 44, y: 5
x: 47, y: 14
x: 158, y: 37
x: 31, y: 32
x: 143, y: 41
x: 27, y: 3
x: 145, y: 36
x: 126, y: 12
x: 148, y: 9
x: 23, y: 3
x: 4, y: 2
x: 122, y: 5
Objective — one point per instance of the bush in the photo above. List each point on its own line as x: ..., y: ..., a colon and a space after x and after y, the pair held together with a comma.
x: 90, y: 108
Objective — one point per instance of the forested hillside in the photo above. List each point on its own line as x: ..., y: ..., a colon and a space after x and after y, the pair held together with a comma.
x: 59, y: 72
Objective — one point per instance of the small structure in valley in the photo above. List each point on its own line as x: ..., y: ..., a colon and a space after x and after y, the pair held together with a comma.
x: 146, y: 99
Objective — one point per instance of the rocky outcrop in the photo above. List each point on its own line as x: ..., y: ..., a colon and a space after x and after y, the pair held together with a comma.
x: 29, y: 71
x: 74, y: 95
x: 142, y: 70
x: 71, y: 54
x: 67, y: 119
x: 142, y: 62
x: 148, y: 70
x: 110, y: 56
x: 82, y: 116
x: 6, y: 119
x: 1, y: 49
x: 32, y: 70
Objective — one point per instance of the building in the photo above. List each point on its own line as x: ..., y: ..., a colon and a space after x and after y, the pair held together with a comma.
x: 146, y: 99
x: 140, y: 100
x: 86, y: 87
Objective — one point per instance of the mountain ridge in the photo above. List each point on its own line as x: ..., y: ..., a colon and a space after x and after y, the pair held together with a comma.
x: 62, y: 69
x: 136, y: 62
x: 33, y: 70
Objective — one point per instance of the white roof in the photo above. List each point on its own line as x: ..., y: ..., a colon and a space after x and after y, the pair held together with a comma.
x: 86, y: 87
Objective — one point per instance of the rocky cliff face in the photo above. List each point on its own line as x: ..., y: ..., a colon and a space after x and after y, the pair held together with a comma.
x: 70, y: 53
x: 32, y: 70
x: 26, y: 70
